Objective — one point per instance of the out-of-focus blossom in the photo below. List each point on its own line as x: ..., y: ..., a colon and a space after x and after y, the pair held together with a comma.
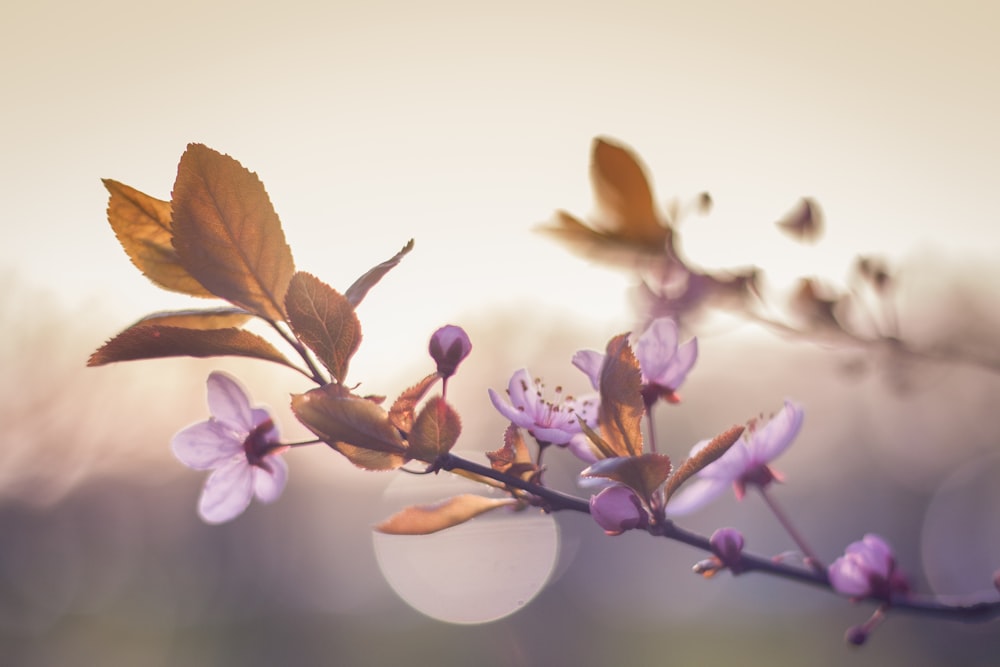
x: 448, y: 347
x: 745, y: 463
x: 550, y: 422
x: 727, y: 544
x: 617, y: 509
x: 867, y: 569
x: 239, y: 444
x: 664, y: 364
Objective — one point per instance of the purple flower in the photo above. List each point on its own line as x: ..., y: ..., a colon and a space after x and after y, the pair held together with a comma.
x: 553, y: 423
x: 448, y: 347
x: 745, y: 463
x: 617, y: 509
x: 664, y: 364
x: 239, y: 444
x: 867, y: 568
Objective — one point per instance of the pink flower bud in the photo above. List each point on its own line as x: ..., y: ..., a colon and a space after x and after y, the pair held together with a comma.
x: 727, y: 544
x: 449, y: 346
x: 867, y: 568
x: 617, y: 509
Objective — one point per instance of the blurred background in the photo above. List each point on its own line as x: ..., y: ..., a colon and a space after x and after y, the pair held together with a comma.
x: 464, y: 126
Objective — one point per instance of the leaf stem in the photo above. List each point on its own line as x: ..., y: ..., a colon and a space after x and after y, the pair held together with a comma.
x: 314, y: 374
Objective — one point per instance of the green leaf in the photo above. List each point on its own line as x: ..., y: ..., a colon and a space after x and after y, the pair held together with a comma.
x: 426, y: 519
x: 144, y: 227
x: 620, y: 413
x: 152, y: 341
x: 643, y: 474
x: 357, y: 291
x: 339, y: 418
x: 324, y: 320
x: 227, y: 234
x: 435, y: 430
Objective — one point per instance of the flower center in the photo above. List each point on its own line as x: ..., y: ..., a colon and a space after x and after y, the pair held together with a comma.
x: 257, y: 446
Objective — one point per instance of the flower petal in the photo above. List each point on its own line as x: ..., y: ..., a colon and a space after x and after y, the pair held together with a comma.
x: 205, y: 445
x: 617, y: 509
x: 268, y: 484
x: 694, y: 495
x: 848, y: 577
x: 656, y: 348
x: 518, y: 417
x: 227, y: 492
x: 590, y: 362
x: 769, y: 442
x: 228, y: 401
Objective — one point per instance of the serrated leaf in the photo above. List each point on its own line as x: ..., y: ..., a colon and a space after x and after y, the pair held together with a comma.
x: 152, y: 341
x: 620, y: 413
x: 336, y: 416
x: 143, y: 225
x: 643, y: 474
x: 513, y: 458
x: 403, y: 410
x: 227, y: 234
x: 323, y: 319
x: 622, y: 190
x: 435, y: 430
x: 357, y: 291
x: 209, y: 318
x: 718, y: 446
x: 426, y: 519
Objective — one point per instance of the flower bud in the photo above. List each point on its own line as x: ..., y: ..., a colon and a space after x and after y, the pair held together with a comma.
x: 449, y: 346
x: 727, y: 544
x: 617, y: 509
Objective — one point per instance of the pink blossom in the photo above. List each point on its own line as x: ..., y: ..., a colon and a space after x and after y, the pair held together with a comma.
x: 448, y: 347
x: 239, y: 444
x: 617, y: 509
x: 745, y: 463
x: 553, y: 423
x: 867, y: 568
x: 664, y: 364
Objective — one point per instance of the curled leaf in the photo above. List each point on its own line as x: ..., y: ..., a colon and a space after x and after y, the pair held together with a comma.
x: 718, y: 446
x: 403, y: 410
x: 357, y: 291
x: 643, y: 474
x: 435, y: 431
x: 513, y: 458
x: 227, y: 234
x: 144, y: 227
x: 425, y: 519
x: 324, y: 320
x: 152, y: 341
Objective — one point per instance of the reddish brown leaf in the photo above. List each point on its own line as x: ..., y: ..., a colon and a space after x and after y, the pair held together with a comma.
x: 620, y: 413
x: 643, y: 474
x: 324, y: 320
x: 425, y: 519
x: 227, y: 234
x: 357, y: 291
x: 337, y: 416
x: 435, y: 431
x: 719, y: 445
x: 513, y: 458
x: 403, y: 410
x: 369, y: 459
x: 152, y: 341
x: 210, y: 318
x: 143, y: 226
x: 622, y: 191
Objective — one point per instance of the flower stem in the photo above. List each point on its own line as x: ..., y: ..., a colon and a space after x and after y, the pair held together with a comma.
x: 811, y: 558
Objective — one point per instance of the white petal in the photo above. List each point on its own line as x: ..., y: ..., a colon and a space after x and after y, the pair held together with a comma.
x: 228, y: 401
x: 205, y: 445
x: 694, y: 495
x: 227, y: 492
x: 269, y: 485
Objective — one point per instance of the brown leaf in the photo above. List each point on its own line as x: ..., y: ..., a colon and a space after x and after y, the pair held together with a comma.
x: 143, y: 226
x: 357, y: 291
x: 403, y: 410
x: 804, y: 222
x: 152, y: 341
x: 324, y: 320
x: 425, y: 519
x: 227, y: 234
x: 643, y: 474
x: 337, y: 416
x: 622, y: 190
x: 209, y: 318
x: 513, y: 458
x: 620, y: 413
x: 719, y: 445
x: 369, y: 459
x: 435, y: 431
